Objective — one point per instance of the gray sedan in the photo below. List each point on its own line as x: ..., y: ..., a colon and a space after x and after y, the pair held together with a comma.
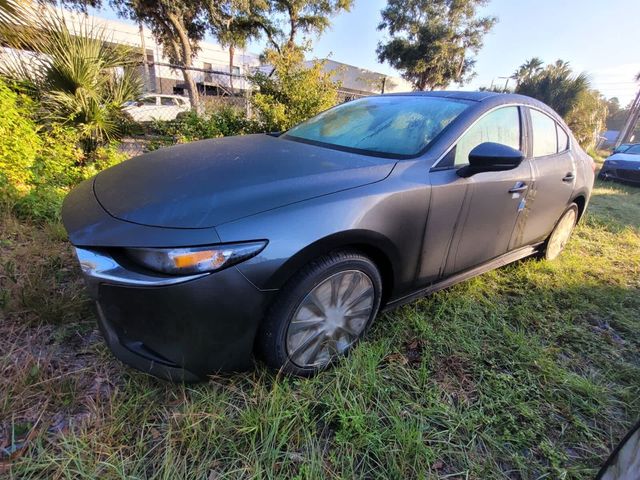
x: 288, y: 245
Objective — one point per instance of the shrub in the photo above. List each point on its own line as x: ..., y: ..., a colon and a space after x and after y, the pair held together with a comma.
x: 58, y: 163
x: 19, y: 141
x: 57, y: 169
x: 222, y: 122
x: 294, y: 92
x: 38, y: 166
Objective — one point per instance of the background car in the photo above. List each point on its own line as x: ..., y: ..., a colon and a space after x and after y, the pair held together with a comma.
x: 624, y: 166
x: 157, y: 107
x: 623, y: 147
x: 288, y: 246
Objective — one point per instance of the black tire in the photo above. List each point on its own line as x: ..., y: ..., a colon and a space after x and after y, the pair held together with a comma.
x: 271, y: 341
x: 551, y: 251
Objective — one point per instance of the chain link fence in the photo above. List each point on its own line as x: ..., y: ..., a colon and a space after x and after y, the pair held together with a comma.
x: 166, y: 94
x: 160, y: 116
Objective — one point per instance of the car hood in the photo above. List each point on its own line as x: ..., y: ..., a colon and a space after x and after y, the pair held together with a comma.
x: 624, y: 157
x: 203, y: 184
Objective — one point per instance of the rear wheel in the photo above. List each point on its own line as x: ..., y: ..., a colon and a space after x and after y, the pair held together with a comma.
x: 321, y: 313
x: 561, y: 233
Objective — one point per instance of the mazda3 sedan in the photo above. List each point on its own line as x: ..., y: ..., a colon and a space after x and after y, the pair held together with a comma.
x: 287, y: 246
x: 623, y: 166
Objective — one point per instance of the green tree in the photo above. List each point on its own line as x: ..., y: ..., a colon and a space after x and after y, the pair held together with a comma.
x: 432, y: 41
x: 178, y: 25
x: 616, y: 114
x: 286, y: 19
x: 587, y: 118
x: 234, y: 22
x: 294, y: 92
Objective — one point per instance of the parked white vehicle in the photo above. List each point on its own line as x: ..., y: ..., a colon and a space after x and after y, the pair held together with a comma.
x: 153, y: 106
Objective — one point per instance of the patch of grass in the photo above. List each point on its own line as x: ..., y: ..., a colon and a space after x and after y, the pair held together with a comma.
x: 530, y: 371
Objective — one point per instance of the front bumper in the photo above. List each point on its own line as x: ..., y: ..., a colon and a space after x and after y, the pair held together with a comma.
x: 630, y: 175
x: 178, y: 328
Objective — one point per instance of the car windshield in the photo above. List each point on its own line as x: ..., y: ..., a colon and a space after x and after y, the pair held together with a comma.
x: 634, y: 150
x: 394, y: 125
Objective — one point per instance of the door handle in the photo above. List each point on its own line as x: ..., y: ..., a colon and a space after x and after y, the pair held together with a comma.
x: 568, y: 177
x: 518, y: 187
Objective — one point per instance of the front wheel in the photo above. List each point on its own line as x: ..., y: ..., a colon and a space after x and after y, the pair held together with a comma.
x: 321, y: 313
x: 561, y: 233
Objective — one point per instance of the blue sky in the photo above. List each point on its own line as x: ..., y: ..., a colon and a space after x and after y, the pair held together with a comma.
x: 598, y: 37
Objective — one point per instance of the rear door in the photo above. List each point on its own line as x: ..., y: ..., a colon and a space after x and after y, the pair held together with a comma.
x: 554, y: 176
x: 168, y: 108
x: 144, y: 109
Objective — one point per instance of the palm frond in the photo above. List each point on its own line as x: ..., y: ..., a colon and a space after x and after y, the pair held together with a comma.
x: 76, y: 71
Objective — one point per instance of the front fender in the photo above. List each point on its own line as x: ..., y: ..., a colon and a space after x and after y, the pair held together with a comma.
x: 385, y: 219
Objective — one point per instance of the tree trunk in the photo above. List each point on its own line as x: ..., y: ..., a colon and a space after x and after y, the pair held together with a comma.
x: 192, y: 90
x: 187, y: 54
x: 231, y: 54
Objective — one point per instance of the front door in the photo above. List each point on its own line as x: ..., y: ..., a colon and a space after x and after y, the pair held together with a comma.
x: 480, y: 212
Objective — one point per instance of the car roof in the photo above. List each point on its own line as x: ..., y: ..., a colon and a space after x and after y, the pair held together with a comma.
x: 461, y: 95
x: 482, y: 96
x: 486, y: 100
x: 164, y: 95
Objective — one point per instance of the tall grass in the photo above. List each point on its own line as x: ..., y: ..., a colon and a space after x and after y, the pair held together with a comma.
x: 531, y: 371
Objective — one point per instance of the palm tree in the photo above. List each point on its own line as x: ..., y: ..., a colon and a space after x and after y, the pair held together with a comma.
x: 79, y: 77
x: 555, y: 85
x: 528, y: 69
x: 233, y: 23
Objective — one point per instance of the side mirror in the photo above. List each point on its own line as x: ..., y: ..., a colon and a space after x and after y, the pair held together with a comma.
x: 140, y: 104
x: 491, y: 157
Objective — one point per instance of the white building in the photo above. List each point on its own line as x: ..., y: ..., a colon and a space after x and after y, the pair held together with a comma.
x: 210, y: 68
x: 358, y: 82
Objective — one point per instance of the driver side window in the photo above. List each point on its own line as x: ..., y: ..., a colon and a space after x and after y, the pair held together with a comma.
x: 500, y: 126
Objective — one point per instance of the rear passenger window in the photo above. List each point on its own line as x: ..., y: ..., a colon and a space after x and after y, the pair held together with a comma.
x: 500, y: 126
x: 563, y: 139
x: 545, y: 137
x: 167, y: 101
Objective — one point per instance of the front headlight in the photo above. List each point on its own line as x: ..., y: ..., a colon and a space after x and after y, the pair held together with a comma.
x: 195, y: 259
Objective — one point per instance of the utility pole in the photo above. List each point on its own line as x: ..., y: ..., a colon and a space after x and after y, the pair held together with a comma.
x: 630, y: 124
